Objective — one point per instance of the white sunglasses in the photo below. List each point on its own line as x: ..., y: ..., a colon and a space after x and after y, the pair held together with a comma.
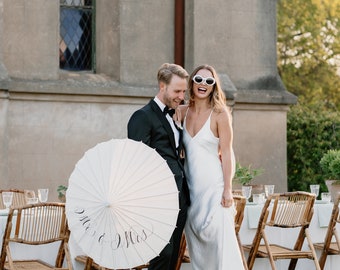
x: 199, y: 79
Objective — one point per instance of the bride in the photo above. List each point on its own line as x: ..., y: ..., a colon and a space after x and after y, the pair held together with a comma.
x: 210, y: 165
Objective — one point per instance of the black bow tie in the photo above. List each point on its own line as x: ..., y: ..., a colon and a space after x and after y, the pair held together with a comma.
x: 168, y: 110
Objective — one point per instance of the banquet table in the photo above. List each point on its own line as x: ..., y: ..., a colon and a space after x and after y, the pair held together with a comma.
x: 318, y: 228
x: 287, y: 237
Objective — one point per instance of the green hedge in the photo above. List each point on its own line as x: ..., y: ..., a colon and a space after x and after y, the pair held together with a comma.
x: 311, y: 131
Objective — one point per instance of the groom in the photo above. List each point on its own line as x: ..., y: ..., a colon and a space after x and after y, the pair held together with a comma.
x: 154, y: 126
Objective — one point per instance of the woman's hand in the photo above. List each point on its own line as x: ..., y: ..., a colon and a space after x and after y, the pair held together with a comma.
x: 227, y: 198
x: 177, y: 117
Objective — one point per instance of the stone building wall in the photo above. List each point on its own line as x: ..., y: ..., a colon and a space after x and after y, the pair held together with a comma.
x: 50, y: 117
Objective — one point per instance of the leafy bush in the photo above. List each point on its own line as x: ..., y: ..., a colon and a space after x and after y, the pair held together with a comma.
x: 311, y: 131
x: 330, y: 164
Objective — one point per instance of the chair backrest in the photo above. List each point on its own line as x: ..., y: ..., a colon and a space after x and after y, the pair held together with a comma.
x: 237, y: 192
x: 337, y: 204
x: 291, y: 209
x: 18, y: 197
x: 335, y: 218
x: 240, y: 204
x: 36, y: 224
x: 327, y: 247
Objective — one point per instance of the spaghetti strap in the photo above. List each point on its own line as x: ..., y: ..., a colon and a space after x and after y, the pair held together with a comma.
x: 186, y: 112
x: 185, y: 117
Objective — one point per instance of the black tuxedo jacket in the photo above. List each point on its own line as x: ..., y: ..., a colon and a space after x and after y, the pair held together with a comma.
x: 150, y: 126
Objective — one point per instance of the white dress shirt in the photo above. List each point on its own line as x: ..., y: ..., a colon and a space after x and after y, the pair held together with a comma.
x: 170, y: 120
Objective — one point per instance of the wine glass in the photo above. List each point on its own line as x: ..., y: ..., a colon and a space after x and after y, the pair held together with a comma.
x: 43, y: 194
x: 315, y: 189
x: 7, y: 198
x: 246, y: 192
x: 269, y: 190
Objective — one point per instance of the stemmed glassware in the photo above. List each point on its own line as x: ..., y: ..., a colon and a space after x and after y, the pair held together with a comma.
x: 315, y: 189
x: 246, y: 192
x: 7, y: 198
x: 43, y: 194
x: 269, y: 190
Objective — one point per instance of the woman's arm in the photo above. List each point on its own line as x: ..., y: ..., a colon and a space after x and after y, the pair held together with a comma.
x: 225, y: 134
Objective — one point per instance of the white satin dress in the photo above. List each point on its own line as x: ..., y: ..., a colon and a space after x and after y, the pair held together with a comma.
x: 209, y: 229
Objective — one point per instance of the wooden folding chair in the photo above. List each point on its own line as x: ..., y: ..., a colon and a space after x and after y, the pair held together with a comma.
x: 329, y: 247
x: 89, y: 264
x: 36, y: 224
x: 237, y: 192
x: 181, y: 253
x: 240, y: 204
x: 290, y: 210
x: 18, y: 198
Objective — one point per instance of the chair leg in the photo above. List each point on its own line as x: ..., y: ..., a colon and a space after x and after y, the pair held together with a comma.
x: 298, y: 246
x: 256, y: 242
x: 327, y: 242
x: 337, y: 238
x: 88, y: 264
x: 242, y: 252
x: 311, y: 246
x: 270, y: 255
x: 323, y: 257
x: 252, y: 256
x: 181, y: 252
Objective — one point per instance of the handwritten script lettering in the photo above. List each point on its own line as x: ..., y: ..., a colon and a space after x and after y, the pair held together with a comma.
x: 125, y: 238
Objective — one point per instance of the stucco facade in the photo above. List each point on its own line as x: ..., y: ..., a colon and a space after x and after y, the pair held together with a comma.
x: 50, y: 117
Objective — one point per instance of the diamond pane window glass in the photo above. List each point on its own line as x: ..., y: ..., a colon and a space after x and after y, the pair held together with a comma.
x: 76, y: 45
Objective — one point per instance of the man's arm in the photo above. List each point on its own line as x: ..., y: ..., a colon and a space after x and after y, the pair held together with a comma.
x: 139, y: 127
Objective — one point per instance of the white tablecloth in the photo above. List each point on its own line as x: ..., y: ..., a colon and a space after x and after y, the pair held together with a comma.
x: 318, y: 228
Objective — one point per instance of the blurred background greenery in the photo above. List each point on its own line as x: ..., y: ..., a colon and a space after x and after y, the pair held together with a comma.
x: 308, y: 45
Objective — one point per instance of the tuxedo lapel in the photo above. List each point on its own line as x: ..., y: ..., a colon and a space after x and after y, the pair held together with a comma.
x: 164, y: 122
x: 180, y: 146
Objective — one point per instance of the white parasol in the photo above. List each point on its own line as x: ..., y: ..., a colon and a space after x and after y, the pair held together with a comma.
x: 122, y: 203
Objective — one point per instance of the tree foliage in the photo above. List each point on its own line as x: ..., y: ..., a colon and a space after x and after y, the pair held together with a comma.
x: 311, y: 132
x: 308, y: 46
x: 309, y: 64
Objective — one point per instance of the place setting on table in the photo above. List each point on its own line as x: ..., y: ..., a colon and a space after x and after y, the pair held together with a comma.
x: 7, y: 198
x: 326, y: 197
x: 30, y: 198
x: 325, y: 205
x: 254, y: 207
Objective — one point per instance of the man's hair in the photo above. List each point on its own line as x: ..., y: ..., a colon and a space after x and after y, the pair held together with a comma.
x: 166, y: 71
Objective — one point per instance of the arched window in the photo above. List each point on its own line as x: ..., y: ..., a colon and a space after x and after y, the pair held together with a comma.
x: 77, y: 42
